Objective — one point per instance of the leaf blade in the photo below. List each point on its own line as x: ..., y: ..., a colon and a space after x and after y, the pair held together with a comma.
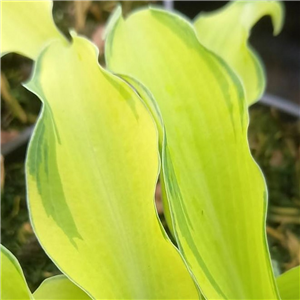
x: 206, y: 159
x: 232, y: 25
x: 117, y: 176
x: 21, y: 27
x: 59, y: 288
x: 289, y: 284
x: 13, y: 283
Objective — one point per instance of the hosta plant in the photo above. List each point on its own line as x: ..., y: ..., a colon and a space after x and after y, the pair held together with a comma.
x: 170, y: 105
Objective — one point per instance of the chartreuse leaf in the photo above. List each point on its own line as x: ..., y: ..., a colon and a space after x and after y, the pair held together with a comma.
x: 60, y: 288
x: 149, y: 100
x: 216, y: 192
x: 13, y: 284
x: 91, y: 169
x: 27, y: 27
x: 226, y: 32
x: 289, y: 284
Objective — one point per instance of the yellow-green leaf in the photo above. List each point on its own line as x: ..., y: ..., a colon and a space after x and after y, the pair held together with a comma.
x: 216, y: 192
x: 149, y: 100
x: 27, y: 27
x: 59, y: 288
x: 289, y: 284
x: 226, y: 33
x: 13, y: 283
x: 91, y: 169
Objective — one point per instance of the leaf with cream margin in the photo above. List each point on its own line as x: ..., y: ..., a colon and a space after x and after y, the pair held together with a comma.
x: 60, y: 288
x: 289, y: 284
x: 226, y: 32
x: 91, y: 172
x: 13, y: 283
x: 27, y: 27
x: 217, y: 194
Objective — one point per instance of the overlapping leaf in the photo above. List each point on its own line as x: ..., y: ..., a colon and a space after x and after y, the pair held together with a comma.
x: 91, y: 171
x: 217, y: 193
x: 289, y: 284
x: 226, y: 33
x: 59, y: 288
x: 149, y: 100
x: 13, y: 284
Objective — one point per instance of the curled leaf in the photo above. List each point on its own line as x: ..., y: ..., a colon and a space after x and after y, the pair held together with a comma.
x: 226, y: 33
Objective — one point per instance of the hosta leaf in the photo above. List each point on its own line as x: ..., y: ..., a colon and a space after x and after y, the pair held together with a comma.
x: 289, y: 284
x: 14, y: 286
x: 60, y: 288
x: 91, y: 168
x: 149, y: 100
x: 13, y: 283
x: 226, y: 33
x: 27, y: 27
x: 217, y: 193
